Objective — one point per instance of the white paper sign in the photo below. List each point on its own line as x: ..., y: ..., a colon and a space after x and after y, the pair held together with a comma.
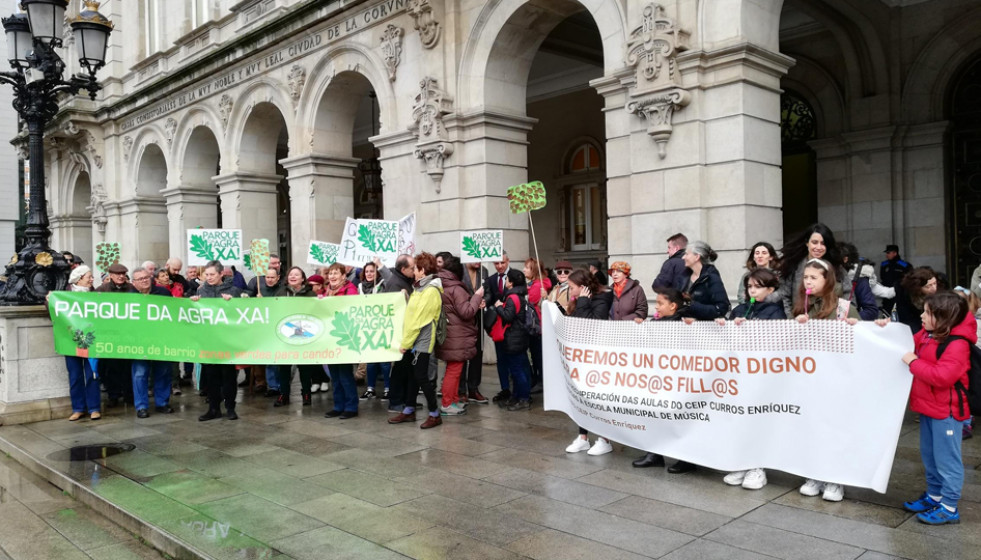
x: 363, y: 240
x: 822, y: 400
x: 407, y: 235
x: 322, y: 253
x: 482, y: 245
x: 222, y: 245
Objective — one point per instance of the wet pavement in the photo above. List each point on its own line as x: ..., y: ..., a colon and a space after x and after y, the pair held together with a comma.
x: 37, y: 520
x: 288, y: 483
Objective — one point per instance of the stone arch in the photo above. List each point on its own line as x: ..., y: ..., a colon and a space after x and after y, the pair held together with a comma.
x: 147, y: 137
x: 333, y: 72
x: 928, y: 80
x: 151, y: 170
x: 818, y: 87
x: 201, y: 154
x: 724, y: 23
x: 189, y: 129
x: 253, y: 108
x: 506, y: 37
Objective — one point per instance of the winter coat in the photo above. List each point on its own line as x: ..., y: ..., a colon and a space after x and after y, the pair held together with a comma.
x: 789, y: 291
x: 206, y: 290
x: 377, y: 287
x: 535, y: 295
x: 671, y: 271
x: 460, y: 306
x: 814, y: 305
x: 597, y: 306
x: 111, y: 288
x: 279, y: 290
x: 892, y: 271
x: 421, y: 315
x: 560, y: 296
x: 346, y: 289
x: 259, y: 283
x: 743, y: 295
x: 759, y: 310
x: 395, y: 281
x: 708, y: 295
x: 933, y: 393
x: 632, y: 303
x: 306, y: 290
x: 907, y: 312
x: 516, y: 336
x: 860, y: 294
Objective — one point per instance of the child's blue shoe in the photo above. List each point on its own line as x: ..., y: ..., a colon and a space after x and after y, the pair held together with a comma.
x: 921, y: 504
x: 939, y: 516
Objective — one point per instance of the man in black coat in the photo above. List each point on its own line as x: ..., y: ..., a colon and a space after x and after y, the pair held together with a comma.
x: 495, y: 291
x: 892, y: 271
x: 674, y: 267
x: 400, y: 279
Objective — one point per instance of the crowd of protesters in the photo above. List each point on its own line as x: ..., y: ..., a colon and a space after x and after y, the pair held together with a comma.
x: 450, y: 306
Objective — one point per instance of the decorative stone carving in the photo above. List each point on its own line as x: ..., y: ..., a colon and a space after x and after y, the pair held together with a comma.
x: 170, y: 128
x: 391, y: 44
x: 70, y: 128
x: 652, y: 50
x: 225, y: 109
x: 127, y: 147
x: 431, y: 105
x: 425, y: 22
x: 297, y: 77
x: 97, y: 208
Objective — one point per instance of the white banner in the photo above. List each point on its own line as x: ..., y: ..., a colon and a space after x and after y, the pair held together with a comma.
x: 222, y: 245
x: 407, y: 235
x: 481, y: 245
x: 822, y: 400
x: 363, y: 240
x: 322, y: 253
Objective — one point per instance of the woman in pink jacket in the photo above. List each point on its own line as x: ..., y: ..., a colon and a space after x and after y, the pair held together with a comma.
x: 345, y: 387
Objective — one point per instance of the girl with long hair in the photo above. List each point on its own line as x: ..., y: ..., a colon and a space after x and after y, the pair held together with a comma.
x: 815, y: 242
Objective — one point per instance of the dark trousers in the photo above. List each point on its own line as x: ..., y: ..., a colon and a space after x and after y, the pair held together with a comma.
x: 307, y: 372
x: 117, y: 377
x: 345, y: 388
x: 420, y: 380
x: 502, y: 367
x: 221, y: 383
x: 535, y: 345
x: 399, y: 381
x: 470, y: 378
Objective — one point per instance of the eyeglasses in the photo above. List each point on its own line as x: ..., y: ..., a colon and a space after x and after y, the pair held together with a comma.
x: 141, y: 279
x: 562, y: 271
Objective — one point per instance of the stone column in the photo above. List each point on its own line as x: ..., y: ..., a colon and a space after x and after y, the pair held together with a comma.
x: 188, y: 208
x: 321, y: 198
x: 248, y: 202
x: 143, y: 234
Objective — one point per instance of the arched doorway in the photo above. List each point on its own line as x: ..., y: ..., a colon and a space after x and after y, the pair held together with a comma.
x: 196, y: 202
x: 146, y: 215
x: 80, y: 225
x: 964, y: 154
x: 797, y: 128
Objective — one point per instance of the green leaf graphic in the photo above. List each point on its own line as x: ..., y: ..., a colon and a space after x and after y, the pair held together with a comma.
x: 346, y: 331
x: 202, y: 248
x: 367, y: 238
x: 471, y: 247
x: 247, y: 260
x: 317, y: 253
x: 82, y: 339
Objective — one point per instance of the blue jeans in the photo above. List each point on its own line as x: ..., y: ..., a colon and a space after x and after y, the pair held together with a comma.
x: 345, y: 387
x: 162, y: 385
x: 385, y: 368
x: 940, y: 448
x: 517, y: 365
x: 272, y: 381
x: 502, y: 368
x: 83, y: 386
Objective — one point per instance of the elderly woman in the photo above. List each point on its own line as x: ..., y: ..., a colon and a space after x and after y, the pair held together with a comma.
x: 83, y: 386
x: 460, y: 305
x: 629, y: 299
x: 296, y: 286
x: 345, y: 387
x: 419, y: 338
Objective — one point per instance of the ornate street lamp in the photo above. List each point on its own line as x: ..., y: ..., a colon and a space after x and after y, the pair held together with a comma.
x: 37, y: 79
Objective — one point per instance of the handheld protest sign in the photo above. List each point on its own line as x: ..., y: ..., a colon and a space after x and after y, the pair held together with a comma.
x: 222, y: 245
x: 363, y: 240
x: 482, y: 245
x: 259, y: 256
x: 407, y: 235
x: 322, y: 254
x: 106, y: 255
x: 526, y: 197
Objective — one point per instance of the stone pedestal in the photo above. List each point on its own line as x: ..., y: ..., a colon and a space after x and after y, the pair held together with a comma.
x: 321, y: 198
x: 33, y: 378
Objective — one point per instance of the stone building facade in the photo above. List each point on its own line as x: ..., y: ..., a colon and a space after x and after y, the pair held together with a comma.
x: 730, y: 120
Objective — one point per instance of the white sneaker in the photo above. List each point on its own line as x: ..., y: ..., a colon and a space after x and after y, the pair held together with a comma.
x: 812, y: 487
x: 577, y: 445
x: 755, y: 479
x: 315, y: 387
x: 834, y: 492
x: 735, y: 478
x: 601, y: 447
x: 452, y: 410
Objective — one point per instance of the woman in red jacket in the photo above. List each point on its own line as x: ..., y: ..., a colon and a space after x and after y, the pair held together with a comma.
x: 538, y: 288
x: 345, y: 387
x: 941, y: 360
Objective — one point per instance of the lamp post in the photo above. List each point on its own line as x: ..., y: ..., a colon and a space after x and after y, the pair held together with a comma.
x: 37, y: 79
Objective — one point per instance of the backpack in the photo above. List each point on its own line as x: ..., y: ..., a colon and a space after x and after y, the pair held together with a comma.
x: 973, y: 390
x: 533, y: 324
x: 441, y: 327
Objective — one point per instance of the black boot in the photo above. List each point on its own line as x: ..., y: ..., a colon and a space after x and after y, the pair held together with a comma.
x: 649, y: 460
x: 210, y: 415
x: 230, y: 414
x: 681, y: 467
x: 282, y: 400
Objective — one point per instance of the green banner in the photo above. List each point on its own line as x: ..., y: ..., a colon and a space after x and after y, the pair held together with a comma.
x: 335, y: 330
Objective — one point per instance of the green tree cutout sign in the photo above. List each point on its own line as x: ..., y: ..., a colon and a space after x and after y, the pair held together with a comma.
x: 347, y: 331
x: 106, y: 255
x: 526, y: 197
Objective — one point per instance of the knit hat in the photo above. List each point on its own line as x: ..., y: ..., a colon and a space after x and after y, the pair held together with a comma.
x: 77, y: 274
x: 622, y: 266
x: 315, y: 279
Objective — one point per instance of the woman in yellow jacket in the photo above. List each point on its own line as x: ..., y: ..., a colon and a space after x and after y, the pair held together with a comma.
x: 419, y: 338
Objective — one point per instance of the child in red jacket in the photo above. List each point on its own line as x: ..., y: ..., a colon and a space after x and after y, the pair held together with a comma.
x: 942, y: 407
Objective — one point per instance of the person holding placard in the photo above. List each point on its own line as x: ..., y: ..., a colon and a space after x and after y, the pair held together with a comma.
x: 538, y: 287
x: 83, y: 384
x: 219, y: 380
x: 345, y: 387
x: 296, y: 286
x: 372, y: 283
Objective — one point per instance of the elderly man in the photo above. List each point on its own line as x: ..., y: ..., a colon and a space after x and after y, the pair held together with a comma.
x: 494, y: 290
x: 275, y: 263
x: 117, y: 281
x: 150, y: 267
x: 115, y: 373
x: 162, y: 372
x: 272, y: 287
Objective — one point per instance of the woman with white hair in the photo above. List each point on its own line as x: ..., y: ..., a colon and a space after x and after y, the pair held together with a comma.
x: 83, y: 386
